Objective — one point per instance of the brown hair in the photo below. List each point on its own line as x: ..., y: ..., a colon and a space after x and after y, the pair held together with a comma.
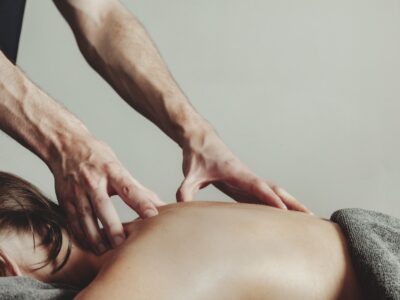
x: 24, y: 209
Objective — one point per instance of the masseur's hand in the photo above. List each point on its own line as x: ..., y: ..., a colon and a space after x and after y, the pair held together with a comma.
x: 206, y: 159
x: 86, y: 175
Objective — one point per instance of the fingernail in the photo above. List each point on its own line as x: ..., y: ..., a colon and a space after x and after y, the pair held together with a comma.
x: 118, y: 240
x: 101, y: 248
x: 311, y: 213
x: 150, y: 213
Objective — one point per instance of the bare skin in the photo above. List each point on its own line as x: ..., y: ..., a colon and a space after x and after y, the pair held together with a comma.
x: 208, y: 250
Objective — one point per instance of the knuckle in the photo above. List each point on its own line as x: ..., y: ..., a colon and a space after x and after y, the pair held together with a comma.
x: 270, y: 183
x: 126, y: 190
x: 229, y: 162
x: 255, y: 182
x: 131, y: 189
x: 276, y: 189
x: 228, y: 165
x: 112, y: 168
x: 233, y: 165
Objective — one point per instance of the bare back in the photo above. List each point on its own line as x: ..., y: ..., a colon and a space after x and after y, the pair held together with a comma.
x: 209, y: 250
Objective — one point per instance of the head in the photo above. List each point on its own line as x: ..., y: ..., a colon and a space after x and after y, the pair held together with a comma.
x: 34, y: 236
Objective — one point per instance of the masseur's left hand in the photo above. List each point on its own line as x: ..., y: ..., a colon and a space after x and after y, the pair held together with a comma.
x: 207, y: 160
x: 121, y: 51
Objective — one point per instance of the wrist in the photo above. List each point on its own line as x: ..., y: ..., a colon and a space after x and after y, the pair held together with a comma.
x: 198, y: 137
x: 34, y: 119
x: 66, y: 144
x: 189, y: 126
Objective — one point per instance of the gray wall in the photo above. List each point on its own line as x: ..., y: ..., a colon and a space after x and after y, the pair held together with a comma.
x: 305, y: 92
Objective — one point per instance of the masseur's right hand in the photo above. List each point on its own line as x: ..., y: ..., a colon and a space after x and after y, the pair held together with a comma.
x: 86, y: 171
x: 87, y: 174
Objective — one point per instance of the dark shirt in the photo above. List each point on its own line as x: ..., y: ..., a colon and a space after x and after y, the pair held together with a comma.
x: 11, y: 14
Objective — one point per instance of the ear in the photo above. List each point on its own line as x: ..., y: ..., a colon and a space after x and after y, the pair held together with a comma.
x: 10, y: 266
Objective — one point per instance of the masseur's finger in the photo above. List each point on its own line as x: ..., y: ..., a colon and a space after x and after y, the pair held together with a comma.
x: 291, y: 202
x: 104, y: 210
x: 257, y: 187
x: 88, y: 222
x: 157, y: 201
x: 187, y: 190
x: 139, y: 198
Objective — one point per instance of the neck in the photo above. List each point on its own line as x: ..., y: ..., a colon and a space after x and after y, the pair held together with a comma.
x: 81, y: 268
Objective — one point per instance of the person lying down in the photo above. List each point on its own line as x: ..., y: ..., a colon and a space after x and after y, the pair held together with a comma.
x: 195, y: 250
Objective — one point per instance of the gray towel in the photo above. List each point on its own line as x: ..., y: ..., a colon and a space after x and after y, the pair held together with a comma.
x: 26, y: 288
x: 374, y: 242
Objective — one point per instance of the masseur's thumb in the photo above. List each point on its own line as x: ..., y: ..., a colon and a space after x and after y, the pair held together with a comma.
x: 187, y: 190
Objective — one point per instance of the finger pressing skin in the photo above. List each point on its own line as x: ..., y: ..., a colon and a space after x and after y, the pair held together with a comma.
x: 291, y: 202
x: 156, y: 200
x: 108, y: 216
x: 139, y: 198
x: 187, y: 190
x: 88, y: 222
x: 258, y: 188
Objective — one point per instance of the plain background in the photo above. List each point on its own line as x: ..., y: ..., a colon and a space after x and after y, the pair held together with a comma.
x: 307, y: 93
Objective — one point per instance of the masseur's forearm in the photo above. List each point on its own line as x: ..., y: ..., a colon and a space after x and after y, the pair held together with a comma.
x: 32, y: 118
x: 117, y: 46
x: 86, y: 171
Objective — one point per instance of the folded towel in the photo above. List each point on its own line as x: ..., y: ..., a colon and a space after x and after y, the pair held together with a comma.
x: 27, y: 288
x: 374, y: 243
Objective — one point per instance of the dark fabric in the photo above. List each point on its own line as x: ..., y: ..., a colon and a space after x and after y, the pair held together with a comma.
x: 374, y: 243
x: 11, y: 15
x: 26, y: 288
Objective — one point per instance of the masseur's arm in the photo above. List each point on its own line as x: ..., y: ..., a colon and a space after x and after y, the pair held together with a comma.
x: 86, y: 171
x: 117, y: 46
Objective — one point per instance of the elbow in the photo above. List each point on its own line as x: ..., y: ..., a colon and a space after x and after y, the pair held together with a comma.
x: 88, y: 20
x: 90, y: 8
